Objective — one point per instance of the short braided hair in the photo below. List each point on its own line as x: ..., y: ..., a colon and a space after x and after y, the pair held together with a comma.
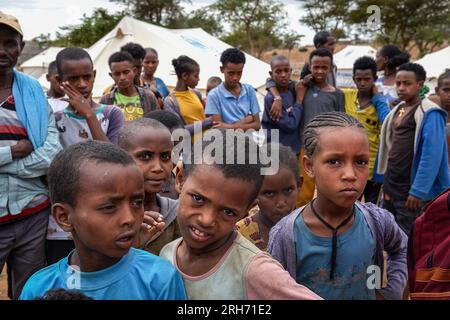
x: 326, y: 120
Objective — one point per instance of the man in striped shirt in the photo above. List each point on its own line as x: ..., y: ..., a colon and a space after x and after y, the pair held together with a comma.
x: 28, y: 142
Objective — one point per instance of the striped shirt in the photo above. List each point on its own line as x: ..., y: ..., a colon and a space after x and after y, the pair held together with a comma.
x: 11, y: 131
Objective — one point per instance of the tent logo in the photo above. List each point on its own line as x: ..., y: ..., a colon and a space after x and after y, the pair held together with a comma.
x: 195, y: 43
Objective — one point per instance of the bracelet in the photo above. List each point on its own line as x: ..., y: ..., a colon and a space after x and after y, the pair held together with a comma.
x: 276, y: 98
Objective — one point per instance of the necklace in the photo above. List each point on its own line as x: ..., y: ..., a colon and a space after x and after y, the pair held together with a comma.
x: 315, y: 91
x: 335, y: 230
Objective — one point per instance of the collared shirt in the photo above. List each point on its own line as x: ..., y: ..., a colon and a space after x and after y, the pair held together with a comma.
x: 232, y: 108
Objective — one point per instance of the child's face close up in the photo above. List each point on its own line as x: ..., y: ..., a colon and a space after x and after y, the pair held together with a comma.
x: 407, y: 86
x: 364, y: 80
x: 80, y: 74
x: 152, y: 150
x: 150, y: 63
x: 278, y: 195
x: 123, y: 74
x: 444, y: 94
x: 320, y: 66
x: 340, y: 165
x: 108, y: 213
x: 281, y: 72
x: 209, y: 206
x: 232, y: 73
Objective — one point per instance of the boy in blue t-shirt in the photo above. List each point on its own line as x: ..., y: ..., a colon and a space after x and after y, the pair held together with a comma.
x: 289, y: 122
x: 232, y: 104
x: 97, y: 192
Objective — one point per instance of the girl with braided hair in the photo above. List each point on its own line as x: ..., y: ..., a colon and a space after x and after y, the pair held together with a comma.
x: 334, y: 245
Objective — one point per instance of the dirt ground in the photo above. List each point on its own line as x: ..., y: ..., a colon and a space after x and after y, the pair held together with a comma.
x: 3, y: 286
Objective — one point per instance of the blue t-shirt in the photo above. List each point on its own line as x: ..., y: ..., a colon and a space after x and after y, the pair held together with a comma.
x: 232, y: 108
x: 355, y: 253
x: 161, y: 86
x: 139, y: 275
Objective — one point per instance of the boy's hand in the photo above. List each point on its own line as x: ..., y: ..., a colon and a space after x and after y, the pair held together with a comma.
x: 152, y: 224
x: 275, y: 111
x: 307, y: 80
x: 81, y: 105
x: 221, y: 125
x: 300, y: 90
x: 21, y: 149
x: 413, y: 203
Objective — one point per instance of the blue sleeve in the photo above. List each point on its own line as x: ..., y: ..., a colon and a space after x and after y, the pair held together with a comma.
x: 268, y: 101
x: 270, y: 83
x: 290, y: 121
x: 174, y: 288
x: 432, y: 142
x: 379, y: 101
x: 395, y: 243
x: 212, y: 103
x: 161, y: 86
x: 254, y: 105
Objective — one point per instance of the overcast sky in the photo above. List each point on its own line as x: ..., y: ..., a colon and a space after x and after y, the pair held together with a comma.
x: 45, y: 16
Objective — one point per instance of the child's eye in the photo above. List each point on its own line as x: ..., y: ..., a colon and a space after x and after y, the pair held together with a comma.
x: 145, y: 156
x: 165, y: 156
x: 229, y: 212
x: 197, y: 198
x: 362, y: 162
x: 269, y: 194
x: 333, y: 162
x: 138, y: 203
x: 108, y: 208
x: 289, y: 190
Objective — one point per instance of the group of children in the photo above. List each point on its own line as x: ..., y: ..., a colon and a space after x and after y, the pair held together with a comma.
x: 131, y: 219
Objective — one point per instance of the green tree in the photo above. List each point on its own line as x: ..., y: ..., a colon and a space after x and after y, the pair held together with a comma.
x: 406, y: 23
x: 89, y: 31
x: 291, y: 40
x: 327, y: 15
x: 204, y: 18
x: 256, y: 25
x: 160, y: 12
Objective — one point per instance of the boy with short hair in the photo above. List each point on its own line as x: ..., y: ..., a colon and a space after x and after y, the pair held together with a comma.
x: 288, y: 124
x: 322, y: 39
x: 316, y: 96
x: 150, y: 145
x: 413, y: 150
x: 367, y: 105
x: 215, y: 260
x: 97, y: 193
x: 133, y: 100
x: 83, y: 119
x: 232, y: 104
x: 55, y: 93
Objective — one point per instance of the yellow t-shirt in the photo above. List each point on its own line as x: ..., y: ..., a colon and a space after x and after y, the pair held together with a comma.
x: 130, y: 106
x: 369, y: 119
x: 190, y: 106
x: 249, y: 229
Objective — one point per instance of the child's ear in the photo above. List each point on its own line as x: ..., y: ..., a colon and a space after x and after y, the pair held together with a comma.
x: 221, y: 69
x: 300, y: 182
x: 95, y: 74
x: 270, y: 73
x: 179, y: 179
x: 61, y: 214
x: 308, y: 166
x: 110, y: 74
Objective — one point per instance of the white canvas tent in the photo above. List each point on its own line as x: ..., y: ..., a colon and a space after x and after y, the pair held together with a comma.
x: 435, y: 64
x: 344, y: 60
x: 37, y: 65
x: 195, y: 43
